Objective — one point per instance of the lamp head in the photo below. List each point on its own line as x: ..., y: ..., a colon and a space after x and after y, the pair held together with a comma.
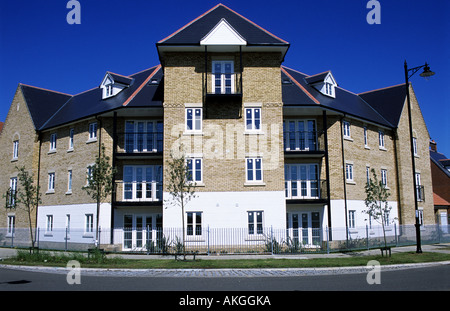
x: 426, y: 72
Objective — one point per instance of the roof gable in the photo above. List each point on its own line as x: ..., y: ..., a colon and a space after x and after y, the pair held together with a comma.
x: 223, y: 34
x: 193, y: 32
x: 387, y: 101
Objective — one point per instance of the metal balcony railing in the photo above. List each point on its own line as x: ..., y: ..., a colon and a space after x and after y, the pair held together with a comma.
x: 312, y: 189
x: 302, y: 141
x: 140, y: 142
x: 138, y: 191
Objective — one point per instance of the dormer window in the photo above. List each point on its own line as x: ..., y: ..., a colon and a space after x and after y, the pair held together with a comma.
x: 324, y: 83
x: 113, y: 84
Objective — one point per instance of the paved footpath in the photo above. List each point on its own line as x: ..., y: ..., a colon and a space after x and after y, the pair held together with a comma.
x: 281, y: 272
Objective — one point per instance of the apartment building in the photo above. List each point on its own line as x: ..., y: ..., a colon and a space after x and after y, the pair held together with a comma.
x: 266, y: 145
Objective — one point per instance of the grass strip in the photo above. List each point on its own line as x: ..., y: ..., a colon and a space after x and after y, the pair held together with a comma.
x: 98, y: 261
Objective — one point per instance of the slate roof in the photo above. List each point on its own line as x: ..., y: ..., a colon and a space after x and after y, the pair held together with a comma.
x: 301, y: 93
x: 440, y: 160
x: 90, y: 103
x: 382, y: 100
x: 42, y: 103
x: 193, y: 32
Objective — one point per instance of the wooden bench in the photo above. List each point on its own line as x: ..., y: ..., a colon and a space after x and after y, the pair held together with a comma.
x: 385, y: 249
x: 93, y: 251
x: 184, y: 255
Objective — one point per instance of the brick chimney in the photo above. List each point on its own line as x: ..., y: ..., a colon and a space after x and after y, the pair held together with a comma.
x: 433, y: 146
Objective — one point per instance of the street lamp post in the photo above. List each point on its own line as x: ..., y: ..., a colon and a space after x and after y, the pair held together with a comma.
x: 408, y: 74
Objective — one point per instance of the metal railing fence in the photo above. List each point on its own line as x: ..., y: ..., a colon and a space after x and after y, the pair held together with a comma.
x: 208, y: 240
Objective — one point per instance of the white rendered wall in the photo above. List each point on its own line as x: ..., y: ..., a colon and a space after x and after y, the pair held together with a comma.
x: 229, y: 209
x: 77, y: 214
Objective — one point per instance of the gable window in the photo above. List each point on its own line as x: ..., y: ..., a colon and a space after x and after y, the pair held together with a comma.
x: 255, y: 221
x: 11, y: 194
x: 15, y: 149
x: 223, y: 77
x: 381, y: 140
x: 329, y: 89
x: 346, y: 126
x: 194, y: 119
x: 253, y: 119
x: 194, y: 224
x: 254, y: 169
x: 415, y: 146
x: 194, y: 168
x: 92, y: 131
x: 53, y: 142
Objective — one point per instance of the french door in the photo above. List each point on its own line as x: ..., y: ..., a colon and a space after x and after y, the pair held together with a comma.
x: 304, y: 228
x: 141, y: 232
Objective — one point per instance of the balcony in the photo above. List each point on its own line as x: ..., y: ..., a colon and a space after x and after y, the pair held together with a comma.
x: 138, y: 193
x: 140, y: 144
x: 306, y: 191
x: 303, y: 143
x: 223, y: 95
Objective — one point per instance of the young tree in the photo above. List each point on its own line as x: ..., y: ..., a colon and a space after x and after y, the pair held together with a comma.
x: 26, y: 197
x: 376, y: 202
x: 179, y: 185
x: 100, y: 183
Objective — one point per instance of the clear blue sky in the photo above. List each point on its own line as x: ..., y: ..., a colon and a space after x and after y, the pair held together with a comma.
x: 39, y: 48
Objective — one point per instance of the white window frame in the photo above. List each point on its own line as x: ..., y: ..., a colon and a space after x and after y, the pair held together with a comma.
x: 89, y: 223
x: 11, y: 225
x: 367, y: 174
x: 197, y: 120
x: 194, y: 228
x: 136, y: 136
x: 255, y: 227
x: 13, y: 191
x: 346, y: 129
x: 71, y: 136
x: 384, y: 177
x: 298, y: 139
x: 301, y: 188
x: 92, y: 132
x: 352, y: 219
x: 15, y: 149
x: 138, y: 188
x: 191, y: 164
x: 222, y: 74
x: 253, y: 169
x: 251, y: 122
x: 415, y: 147
x: 366, y: 138
x: 49, y: 224
x: 381, y: 140
x: 349, y: 173
x: 69, y: 181
x: 53, y: 140
x: 51, y: 182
